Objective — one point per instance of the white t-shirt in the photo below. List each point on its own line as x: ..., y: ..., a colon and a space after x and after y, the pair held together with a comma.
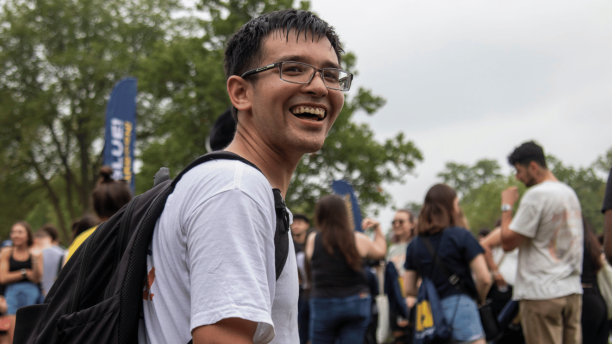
x: 212, y: 258
x: 507, y: 263
x: 550, y: 264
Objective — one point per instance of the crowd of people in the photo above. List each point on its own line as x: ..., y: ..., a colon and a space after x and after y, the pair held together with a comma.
x: 31, y: 261
x: 213, y: 269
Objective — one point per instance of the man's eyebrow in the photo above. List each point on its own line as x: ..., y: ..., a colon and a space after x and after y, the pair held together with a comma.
x: 304, y: 59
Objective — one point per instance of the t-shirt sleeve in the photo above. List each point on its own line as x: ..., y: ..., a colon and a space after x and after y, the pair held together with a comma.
x: 472, y: 247
x: 409, y: 264
x: 526, y: 219
x: 607, y: 203
x: 230, y: 256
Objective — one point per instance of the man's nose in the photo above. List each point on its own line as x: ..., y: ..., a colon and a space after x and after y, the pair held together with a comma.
x: 317, y: 85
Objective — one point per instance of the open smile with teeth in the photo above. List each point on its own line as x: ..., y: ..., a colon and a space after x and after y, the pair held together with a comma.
x: 309, y: 113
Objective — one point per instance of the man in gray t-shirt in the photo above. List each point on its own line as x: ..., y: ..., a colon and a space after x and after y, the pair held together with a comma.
x: 547, y: 229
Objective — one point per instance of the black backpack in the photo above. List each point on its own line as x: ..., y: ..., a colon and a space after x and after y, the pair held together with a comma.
x: 98, y: 295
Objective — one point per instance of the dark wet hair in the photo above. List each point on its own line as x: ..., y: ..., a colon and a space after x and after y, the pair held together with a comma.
x: 332, y: 220
x: 28, y: 229
x: 244, y: 49
x: 526, y: 153
x: 110, y: 195
x: 438, y: 211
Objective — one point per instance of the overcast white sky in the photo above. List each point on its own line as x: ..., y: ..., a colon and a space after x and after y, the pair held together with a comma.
x: 474, y: 79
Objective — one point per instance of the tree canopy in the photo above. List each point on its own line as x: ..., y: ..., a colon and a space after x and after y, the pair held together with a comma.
x: 60, y: 59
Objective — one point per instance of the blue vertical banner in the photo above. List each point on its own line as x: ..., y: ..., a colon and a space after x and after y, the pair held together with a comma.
x: 120, y: 137
x: 343, y: 189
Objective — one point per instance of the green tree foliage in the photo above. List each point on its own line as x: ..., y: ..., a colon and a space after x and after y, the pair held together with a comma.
x: 187, y: 75
x: 58, y: 63
x: 60, y: 59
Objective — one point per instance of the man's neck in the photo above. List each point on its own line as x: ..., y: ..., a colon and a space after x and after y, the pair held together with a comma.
x: 276, y: 166
x: 547, y: 176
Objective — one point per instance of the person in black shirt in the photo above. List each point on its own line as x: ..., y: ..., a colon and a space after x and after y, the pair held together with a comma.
x: 459, y: 252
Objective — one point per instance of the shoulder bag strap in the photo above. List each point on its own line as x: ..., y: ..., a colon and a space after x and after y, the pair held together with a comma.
x: 454, y: 279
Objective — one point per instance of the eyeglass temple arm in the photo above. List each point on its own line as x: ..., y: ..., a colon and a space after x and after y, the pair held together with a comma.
x: 259, y: 70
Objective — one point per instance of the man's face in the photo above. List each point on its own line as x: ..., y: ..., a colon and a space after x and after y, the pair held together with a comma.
x: 401, y: 224
x: 275, y: 101
x: 524, y: 176
x: 298, y: 230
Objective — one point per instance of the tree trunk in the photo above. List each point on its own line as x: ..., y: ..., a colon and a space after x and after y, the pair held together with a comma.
x: 52, y: 196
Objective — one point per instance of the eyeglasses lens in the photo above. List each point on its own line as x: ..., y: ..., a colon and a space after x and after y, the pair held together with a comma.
x: 302, y: 73
x: 398, y: 222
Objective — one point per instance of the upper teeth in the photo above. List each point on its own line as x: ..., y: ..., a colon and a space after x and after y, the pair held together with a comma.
x: 312, y: 110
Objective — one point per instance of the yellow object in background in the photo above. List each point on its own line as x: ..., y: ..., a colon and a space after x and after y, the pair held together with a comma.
x: 424, y: 318
x: 78, y: 241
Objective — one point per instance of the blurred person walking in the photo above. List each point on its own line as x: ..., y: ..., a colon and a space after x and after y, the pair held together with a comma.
x: 47, y: 240
x: 548, y: 231
x: 21, y: 269
x: 108, y: 197
x: 300, y: 229
x: 594, y: 310
x: 340, y: 301
x: 459, y: 251
x: 403, y: 228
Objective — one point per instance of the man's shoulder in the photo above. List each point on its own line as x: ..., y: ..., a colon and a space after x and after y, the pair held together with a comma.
x: 216, y: 176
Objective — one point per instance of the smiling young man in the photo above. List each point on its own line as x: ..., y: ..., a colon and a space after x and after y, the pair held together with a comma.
x: 212, y: 265
x: 547, y: 229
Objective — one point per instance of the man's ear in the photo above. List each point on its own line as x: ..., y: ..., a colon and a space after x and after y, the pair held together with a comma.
x: 240, y: 93
x: 534, y: 168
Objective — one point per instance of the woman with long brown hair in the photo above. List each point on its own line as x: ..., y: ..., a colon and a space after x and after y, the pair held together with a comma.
x: 459, y: 251
x: 340, y: 300
x: 21, y: 269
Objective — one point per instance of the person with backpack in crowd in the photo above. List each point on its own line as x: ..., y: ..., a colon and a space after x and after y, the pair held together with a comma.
x: 211, y: 267
x: 47, y: 240
x: 340, y: 300
x: 21, y: 270
x: 457, y: 249
x: 594, y: 319
x: 403, y: 228
x: 548, y: 231
x: 108, y: 197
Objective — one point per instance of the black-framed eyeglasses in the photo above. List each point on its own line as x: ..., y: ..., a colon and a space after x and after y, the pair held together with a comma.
x: 302, y: 73
x: 399, y: 222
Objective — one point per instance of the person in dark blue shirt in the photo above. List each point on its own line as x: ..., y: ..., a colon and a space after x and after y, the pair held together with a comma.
x: 460, y: 253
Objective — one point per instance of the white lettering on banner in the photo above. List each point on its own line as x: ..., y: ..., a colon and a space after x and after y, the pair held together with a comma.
x: 117, y: 148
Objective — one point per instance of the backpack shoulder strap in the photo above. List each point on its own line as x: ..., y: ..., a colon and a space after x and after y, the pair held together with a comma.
x: 454, y: 279
x: 218, y: 155
x: 281, y: 234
